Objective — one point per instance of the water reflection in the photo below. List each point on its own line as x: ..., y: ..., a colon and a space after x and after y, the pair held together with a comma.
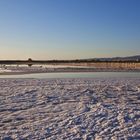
x: 77, y: 75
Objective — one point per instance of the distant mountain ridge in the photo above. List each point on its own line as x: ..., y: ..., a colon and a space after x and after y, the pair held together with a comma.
x: 128, y: 58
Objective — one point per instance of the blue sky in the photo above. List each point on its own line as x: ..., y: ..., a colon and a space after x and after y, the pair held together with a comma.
x: 69, y: 29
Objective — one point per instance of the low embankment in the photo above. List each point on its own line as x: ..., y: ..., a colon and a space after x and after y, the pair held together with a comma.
x: 93, y: 64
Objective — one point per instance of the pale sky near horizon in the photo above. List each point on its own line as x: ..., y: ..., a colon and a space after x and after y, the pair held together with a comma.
x: 69, y: 29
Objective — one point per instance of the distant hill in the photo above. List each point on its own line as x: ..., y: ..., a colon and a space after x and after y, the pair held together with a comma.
x: 31, y: 62
x: 129, y: 58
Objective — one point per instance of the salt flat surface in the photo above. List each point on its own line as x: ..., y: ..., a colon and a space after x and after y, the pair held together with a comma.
x: 70, y: 109
x: 4, y: 70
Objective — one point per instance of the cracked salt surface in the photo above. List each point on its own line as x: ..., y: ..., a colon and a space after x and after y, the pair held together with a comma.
x: 70, y: 109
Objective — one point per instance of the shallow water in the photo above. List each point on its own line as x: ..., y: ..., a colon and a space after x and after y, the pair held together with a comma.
x: 77, y: 75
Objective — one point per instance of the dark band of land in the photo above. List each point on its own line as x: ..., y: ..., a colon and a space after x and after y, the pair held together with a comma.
x: 35, y: 62
x: 93, y: 63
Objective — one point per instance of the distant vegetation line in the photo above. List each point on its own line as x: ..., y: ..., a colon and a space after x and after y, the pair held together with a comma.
x: 62, y: 61
x: 132, y: 59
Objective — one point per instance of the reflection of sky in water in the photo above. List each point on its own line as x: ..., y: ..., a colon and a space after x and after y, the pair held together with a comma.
x: 78, y: 75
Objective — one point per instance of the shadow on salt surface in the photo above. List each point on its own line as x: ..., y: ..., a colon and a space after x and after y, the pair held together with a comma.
x: 133, y: 138
x: 7, y: 138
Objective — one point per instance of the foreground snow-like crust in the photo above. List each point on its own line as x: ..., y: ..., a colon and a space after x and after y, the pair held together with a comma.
x: 70, y: 109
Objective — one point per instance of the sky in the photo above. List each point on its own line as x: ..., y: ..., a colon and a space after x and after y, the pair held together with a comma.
x: 69, y: 29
